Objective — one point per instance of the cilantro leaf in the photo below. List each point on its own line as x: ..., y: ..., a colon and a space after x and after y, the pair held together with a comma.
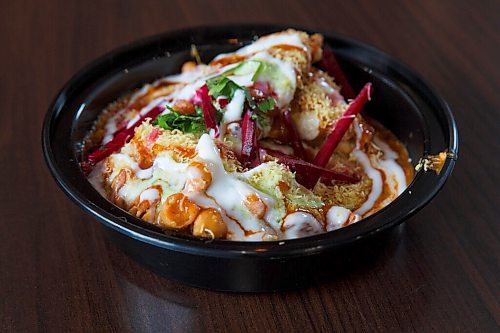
x: 261, y: 119
x: 221, y: 86
x: 249, y: 98
x: 267, y: 104
x: 260, y: 109
x: 198, y: 110
x: 193, y: 123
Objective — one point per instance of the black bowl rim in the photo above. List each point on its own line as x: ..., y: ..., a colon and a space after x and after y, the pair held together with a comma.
x: 237, y: 249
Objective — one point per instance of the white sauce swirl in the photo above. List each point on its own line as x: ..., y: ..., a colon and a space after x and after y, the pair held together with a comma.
x: 301, y: 224
x: 374, y: 167
x: 229, y: 192
x: 336, y: 217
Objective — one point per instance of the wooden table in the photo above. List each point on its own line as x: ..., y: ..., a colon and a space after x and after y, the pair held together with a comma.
x: 59, y: 273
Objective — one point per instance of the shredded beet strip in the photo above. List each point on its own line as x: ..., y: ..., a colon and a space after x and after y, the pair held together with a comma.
x: 304, y: 169
x: 201, y: 98
x: 249, y: 146
x: 298, y: 149
x: 341, y: 126
x: 329, y: 64
x: 119, y: 139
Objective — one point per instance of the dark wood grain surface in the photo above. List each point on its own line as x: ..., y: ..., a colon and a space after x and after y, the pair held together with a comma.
x: 59, y: 273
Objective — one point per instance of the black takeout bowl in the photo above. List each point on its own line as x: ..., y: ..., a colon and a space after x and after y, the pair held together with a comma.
x: 402, y: 101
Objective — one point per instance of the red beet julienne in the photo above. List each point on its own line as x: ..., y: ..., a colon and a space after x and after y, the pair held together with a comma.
x: 341, y: 126
x: 329, y: 64
x: 201, y: 98
x: 120, y: 138
x: 249, y: 146
x: 304, y: 170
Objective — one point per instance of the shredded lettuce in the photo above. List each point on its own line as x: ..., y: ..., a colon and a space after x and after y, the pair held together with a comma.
x: 269, y: 178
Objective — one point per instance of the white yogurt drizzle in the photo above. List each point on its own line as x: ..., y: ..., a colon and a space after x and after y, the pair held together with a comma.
x: 150, y: 194
x: 336, y: 217
x: 167, y: 173
x: 301, y: 224
x: 395, y: 175
x: 374, y: 167
x: 234, y: 109
x: 377, y: 182
x: 235, y: 231
x: 229, y: 192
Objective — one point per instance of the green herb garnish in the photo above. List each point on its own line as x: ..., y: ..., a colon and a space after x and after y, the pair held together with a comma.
x: 261, y: 109
x: 261, y: 119
x: 221, y: 86
x: 193, y: 123
x: 267, y: 104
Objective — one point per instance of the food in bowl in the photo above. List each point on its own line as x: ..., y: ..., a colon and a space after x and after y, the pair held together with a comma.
x: 264, y: 143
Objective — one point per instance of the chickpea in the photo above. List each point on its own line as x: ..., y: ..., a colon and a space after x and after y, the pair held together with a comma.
x: 143, y: 156
x: 146, y: 209
x: 149, y: 215
x: 177, y: 212
x: 119, y: 180
x: 255, y: 205
x: 199, y: 177
x: 353, y: 218
x: 209, y: 223
x: 183, y: 107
